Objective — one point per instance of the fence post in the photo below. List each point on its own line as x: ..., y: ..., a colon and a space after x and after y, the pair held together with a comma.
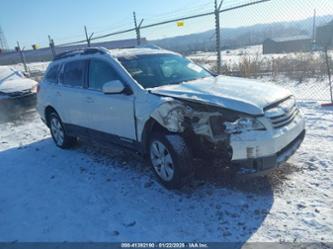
x: 51, y: 43
x: 88, y: 38
x: 137, y: 29
x: 22, y: 57
x: 328, y: 64
x: 218, y: 35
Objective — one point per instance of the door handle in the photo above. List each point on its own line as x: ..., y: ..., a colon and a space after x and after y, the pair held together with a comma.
x: 58, y: 94
x: 89, y: 100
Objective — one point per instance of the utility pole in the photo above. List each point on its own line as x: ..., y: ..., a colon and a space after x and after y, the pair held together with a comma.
x: 329, y: 74
x: 51, y: 43
x: 218, y: 35
x: 88, y: 38
x: 3, y: 41
x: 19, y: 50
x: 137, y: 29
x: 314, y: 29
x: 328, y: 64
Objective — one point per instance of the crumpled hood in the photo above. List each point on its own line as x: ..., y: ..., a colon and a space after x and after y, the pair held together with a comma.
x: 16, y: 85
x: 238, y: 94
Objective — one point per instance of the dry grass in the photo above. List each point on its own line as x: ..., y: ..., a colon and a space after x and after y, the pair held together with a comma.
x: 294, y: 66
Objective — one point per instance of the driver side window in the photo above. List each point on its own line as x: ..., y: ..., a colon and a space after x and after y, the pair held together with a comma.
x: 100, y: 72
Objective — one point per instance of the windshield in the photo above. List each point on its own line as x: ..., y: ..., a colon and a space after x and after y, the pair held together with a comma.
x: 162, y: 69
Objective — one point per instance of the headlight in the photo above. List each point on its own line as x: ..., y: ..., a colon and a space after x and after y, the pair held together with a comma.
x: 174, y: 119
x: 34, y: 89
x: 243, y: 124
x: 283, y: 108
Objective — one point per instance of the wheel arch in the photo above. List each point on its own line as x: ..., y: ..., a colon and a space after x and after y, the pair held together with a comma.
x: 48, y: 110
x: 151, y: 126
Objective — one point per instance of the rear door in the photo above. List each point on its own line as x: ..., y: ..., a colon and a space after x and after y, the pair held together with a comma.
x: 49, y: 88
x: 110, y: 114
x: 71, y: 93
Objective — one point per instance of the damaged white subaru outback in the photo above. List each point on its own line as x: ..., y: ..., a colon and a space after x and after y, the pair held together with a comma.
x: 169, y: 109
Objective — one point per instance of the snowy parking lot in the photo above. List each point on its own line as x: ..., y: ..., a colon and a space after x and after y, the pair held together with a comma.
x: 109, y: 194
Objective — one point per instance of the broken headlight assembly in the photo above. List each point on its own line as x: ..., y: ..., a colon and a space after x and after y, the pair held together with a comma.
x: 243, y: 124
x: 175, y: 119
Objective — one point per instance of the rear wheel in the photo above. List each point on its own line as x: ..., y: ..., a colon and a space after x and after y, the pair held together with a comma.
x: 170, y: 159
x: 60, y: 138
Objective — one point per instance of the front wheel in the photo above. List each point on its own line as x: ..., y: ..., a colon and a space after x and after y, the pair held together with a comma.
x: 170, y: 159
x: 60, y: 138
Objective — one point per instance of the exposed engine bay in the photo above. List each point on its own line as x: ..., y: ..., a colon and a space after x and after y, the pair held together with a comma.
x: 204, y: 127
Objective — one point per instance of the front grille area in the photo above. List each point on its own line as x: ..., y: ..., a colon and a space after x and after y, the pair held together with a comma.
x: 283, y: 114
x: 19, y: 94
x: 287, y: 118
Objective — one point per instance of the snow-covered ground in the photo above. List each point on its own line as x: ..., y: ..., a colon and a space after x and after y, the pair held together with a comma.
x: 109, y: 194
x: 233, y: 55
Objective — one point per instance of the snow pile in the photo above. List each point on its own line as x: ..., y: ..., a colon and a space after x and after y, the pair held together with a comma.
x: 9, y: 73
x: 89, y: 194
x: 34, y: 66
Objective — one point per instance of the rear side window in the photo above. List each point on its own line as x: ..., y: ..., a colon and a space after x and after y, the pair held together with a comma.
x: 74, y: 72
x: 100, y: 72
x: 52, y: 74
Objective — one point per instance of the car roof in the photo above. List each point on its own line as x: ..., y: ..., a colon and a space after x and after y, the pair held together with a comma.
x: 115, y: 53
x: 133, y: 52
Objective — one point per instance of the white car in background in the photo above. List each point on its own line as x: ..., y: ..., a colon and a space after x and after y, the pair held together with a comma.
x: 17, y: 92
x: 170, y: 109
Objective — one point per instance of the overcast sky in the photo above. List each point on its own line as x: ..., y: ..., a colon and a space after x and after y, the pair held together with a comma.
x: 32, y: 21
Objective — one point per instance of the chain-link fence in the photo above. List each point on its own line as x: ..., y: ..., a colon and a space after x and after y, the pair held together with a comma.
x: 280, y: 41
x: 289, y: 50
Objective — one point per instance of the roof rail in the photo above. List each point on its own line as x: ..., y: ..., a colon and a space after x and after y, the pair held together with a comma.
x: 149, y: 45
x: 84, y: 51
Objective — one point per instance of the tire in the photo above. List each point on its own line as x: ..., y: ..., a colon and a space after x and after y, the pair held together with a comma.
x: 170, y: 159
x: 60, y: 138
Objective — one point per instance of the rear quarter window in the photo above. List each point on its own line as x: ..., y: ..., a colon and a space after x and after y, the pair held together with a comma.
x: 74, y: 73
x: 52, y: 74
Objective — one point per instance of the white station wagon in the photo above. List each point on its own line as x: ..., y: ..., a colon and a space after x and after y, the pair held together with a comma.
x: 169, y: 109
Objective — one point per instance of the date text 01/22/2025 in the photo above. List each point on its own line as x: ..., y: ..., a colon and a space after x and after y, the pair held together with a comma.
x: 164, y: 245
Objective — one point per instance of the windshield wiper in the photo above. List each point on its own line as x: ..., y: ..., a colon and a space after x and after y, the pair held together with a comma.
x: 195, y: 79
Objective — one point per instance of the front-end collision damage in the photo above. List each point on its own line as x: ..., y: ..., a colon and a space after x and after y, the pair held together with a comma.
x: 171, y: 115
x: 178, y: 117
x: 201, y: 125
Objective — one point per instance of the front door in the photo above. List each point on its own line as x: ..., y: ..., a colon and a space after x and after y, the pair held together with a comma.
x: 112, y: 114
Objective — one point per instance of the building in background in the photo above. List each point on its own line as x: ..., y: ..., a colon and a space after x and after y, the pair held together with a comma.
x: 324, y: 37
x: 287, y: 45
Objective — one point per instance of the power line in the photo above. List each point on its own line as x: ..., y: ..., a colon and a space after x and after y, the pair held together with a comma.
x: 183, y: 10
x: 167, y: 21
x: 203, y: 14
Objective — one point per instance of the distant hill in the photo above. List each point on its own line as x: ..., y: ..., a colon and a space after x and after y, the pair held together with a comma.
x: 241, y: 36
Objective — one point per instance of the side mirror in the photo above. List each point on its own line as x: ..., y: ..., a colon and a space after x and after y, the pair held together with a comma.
x: 113, y: 87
